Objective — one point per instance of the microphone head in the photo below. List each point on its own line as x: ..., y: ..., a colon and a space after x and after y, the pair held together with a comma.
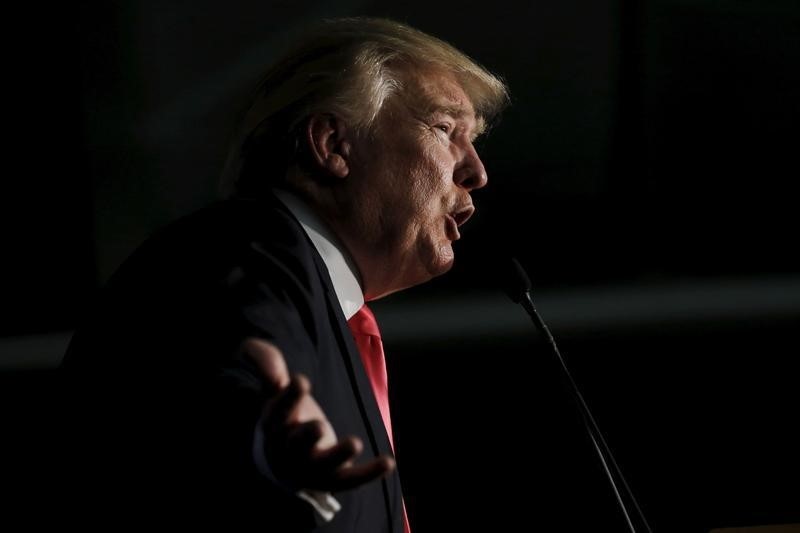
x: 515, y: 280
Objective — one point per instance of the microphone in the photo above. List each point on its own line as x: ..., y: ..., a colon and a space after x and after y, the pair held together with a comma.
x: 517, y: 286
x: 516, y: 282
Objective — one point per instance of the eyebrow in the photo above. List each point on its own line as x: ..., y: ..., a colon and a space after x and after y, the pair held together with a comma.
x: 459, y: 112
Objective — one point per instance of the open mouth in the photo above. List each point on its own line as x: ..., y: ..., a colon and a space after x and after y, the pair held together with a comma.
x: 456, y: 219
x: 462, y: 215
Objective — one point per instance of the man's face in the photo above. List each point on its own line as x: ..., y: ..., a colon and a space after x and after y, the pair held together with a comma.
x: 414, y: 178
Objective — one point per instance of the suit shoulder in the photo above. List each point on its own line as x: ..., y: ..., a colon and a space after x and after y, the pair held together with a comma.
x: 212, y: 242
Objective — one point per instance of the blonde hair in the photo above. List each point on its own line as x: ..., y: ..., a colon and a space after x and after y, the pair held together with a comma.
x: 348, y: 67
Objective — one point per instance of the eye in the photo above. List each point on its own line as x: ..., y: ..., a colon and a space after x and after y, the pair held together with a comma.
x: 446, y: 128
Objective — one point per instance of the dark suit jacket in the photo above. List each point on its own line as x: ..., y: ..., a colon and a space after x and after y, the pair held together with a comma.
x: 163, y: 408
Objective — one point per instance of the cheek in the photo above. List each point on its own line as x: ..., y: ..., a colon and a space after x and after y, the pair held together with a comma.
x: 417, y: 178
x: 423, y: 195
x: 432, y: 173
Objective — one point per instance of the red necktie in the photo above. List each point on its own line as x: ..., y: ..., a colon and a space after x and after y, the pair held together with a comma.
x: 368, y: 339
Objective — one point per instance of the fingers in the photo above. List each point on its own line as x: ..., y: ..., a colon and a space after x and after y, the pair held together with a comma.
x: 303, y: 438
x: 301, y: 445
x: 340, y: 455
x: 287, y: 402
x: 317, y: 463
x: 341, y: 474
x: 354, y: 476
x: 269, y: 360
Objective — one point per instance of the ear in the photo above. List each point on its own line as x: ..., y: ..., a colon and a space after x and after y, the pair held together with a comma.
x: 329, y: 144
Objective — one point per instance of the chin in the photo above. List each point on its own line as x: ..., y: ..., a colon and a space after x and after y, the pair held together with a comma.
x: 429, y: 262
x: 424, y: 272
x: 441, y: 262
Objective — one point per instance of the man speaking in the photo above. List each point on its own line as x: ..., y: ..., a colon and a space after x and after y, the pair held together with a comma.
x: 231, y: 368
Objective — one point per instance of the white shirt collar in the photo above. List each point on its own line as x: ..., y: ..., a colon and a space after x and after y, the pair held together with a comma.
x: 334, y: 255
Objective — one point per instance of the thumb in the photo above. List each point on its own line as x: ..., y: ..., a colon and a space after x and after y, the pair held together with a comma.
x: 269, y: 360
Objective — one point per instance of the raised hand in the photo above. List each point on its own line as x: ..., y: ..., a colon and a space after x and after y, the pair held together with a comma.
x: 300, y: 445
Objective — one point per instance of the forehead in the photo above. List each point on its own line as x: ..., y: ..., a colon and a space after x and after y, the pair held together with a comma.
x: 429, y: 89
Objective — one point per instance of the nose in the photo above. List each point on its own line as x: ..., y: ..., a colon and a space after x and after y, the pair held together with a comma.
x: 470, y: 173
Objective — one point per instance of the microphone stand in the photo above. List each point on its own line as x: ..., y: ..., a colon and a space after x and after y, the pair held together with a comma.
x: 624, y: 497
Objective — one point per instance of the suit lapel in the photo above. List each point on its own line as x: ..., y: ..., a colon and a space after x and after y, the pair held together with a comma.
x: 379, y: 439
x: 362, y: 388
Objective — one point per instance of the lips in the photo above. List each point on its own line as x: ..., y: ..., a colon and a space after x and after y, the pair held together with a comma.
x: 456, y: 219
x: 462, y: 214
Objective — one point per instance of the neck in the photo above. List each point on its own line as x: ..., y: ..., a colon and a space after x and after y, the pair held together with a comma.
x: 337, y: 205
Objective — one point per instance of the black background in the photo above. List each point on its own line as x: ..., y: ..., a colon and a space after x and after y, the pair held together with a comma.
x: 650, y: 149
